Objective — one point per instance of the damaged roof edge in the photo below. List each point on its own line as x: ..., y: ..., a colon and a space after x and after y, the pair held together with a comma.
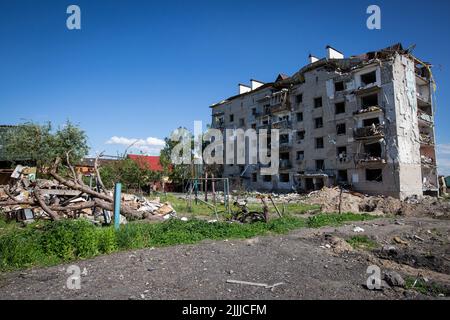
x: 345, y: 64
x: 264, y: 86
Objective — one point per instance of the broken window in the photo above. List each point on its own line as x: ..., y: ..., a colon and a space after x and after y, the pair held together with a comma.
x: 254, y: 177
x: 218, y: 120
x: 284, y: 177
x: 267, y: 178
x: 299, y: 98
x: 342, y: 153
x: 284, y: 156
x: 284, y: 138
x: 253, y: 111
x: 369, y: 101
x: 300, y: 155
x: 318, y: 122
x: 318, y: 102
x: 340, y: 107
x: 254, y: 126
x: 242, y: 122
x: 373, y: 150
x: 300, y: 135
x: 374, y: 175
x: 342, y: 176
x: 299, y: 116
x: 231, y: 117
x: 319, y: 143
x: 320, y: 165
x: 267, y: 109
x: 368, y: 78
x: 339, y: 86
x: 340, y: 128
x: 371, y: 121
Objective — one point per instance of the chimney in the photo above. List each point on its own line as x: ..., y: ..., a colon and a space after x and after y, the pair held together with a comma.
x: 333, y: 53
x: 312, y: 58
x: 256, y: 84
x: 243, y: 88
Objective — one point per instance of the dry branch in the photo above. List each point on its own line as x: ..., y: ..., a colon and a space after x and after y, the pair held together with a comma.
x: 53, y: 215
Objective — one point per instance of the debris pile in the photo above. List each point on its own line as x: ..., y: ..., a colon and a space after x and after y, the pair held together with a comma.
x: 341, y: 200
x: 25, y: 199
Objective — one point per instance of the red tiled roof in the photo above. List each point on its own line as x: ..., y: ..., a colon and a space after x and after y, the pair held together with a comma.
x: 149, y: 162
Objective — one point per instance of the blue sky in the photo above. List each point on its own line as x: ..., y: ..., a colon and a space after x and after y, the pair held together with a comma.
x: 139, y: 69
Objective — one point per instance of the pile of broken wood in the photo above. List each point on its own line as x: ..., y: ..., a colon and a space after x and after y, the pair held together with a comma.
x: 64, y: 197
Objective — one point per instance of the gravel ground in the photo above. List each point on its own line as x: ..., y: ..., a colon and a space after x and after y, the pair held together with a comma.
x: 307, y: 269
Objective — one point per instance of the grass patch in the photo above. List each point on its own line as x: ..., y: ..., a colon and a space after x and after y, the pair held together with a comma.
x: 200, y: 209
x: 48, y: 243
x: 362, y: 242
x: 427, y: 288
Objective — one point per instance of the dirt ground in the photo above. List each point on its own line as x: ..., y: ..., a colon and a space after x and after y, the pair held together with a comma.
x: 303, y: 261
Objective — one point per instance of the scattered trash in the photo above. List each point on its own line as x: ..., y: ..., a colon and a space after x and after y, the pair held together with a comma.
x: 418, y: 238
x: 400, y: 240
x: 184, y: 219
x: 265, y: 285
x: 358, y: 229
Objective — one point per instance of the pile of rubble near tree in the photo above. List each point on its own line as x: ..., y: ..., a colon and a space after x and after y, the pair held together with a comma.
x: 341, y: 200
x: 70, y: 197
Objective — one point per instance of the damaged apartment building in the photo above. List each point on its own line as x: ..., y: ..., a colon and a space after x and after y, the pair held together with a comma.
x: 365, y: 122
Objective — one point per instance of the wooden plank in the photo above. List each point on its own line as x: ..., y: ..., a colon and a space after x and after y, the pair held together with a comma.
x: 60, y: 192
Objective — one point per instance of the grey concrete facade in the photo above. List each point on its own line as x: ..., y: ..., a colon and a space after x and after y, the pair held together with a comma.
x: 364, y: 121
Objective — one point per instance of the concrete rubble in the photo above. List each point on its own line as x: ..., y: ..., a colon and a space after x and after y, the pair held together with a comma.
x: 337, y: 200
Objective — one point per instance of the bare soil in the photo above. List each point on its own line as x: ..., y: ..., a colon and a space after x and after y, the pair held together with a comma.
x: 311, y: 264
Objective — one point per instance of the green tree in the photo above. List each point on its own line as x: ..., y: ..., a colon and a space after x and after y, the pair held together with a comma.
x: 39, y: 143
x: 131, y: 174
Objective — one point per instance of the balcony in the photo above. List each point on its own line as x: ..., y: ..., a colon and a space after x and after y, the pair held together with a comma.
x: 365, y: 110
x: 370, y: 132
x: 285, y: 106
x: 368, y: 159
x: 423, y: 100
x: 427, y: 162
x: 317, y: 173
x: 283, y: 124
x: 424, y: 118
x: 426, y: 139
x: 267, y: 126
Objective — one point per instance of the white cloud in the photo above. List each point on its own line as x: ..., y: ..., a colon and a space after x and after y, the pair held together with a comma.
x: 149, y: 145
x: 443, y: 159
x: 443, y: 149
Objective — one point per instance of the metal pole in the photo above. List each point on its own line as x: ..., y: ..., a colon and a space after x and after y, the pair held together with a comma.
x: 117, y: 192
